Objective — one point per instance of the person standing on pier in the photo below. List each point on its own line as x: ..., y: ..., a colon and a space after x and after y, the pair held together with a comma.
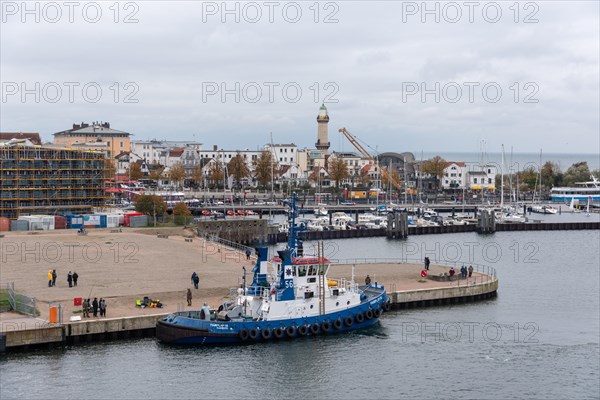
x: 70, y: 279
x: 368, y: 280
x: 195, y: 280
x: 470, y: 270
x: 49, y: 278
x: 248, y: 252
x: 85, y: 308
x: 95, y: 306
x: 189, y: 297
x: 75, y: 277
x: 54, y: 277
x: 102, y: 307
x: 427, y: 262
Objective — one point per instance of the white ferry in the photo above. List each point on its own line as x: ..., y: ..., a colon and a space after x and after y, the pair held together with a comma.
x: 582, y: 192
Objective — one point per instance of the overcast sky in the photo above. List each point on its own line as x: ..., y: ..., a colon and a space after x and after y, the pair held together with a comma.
x: 369, y: 61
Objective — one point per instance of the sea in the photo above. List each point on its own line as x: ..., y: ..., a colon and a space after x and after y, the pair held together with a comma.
x: 538, y: 339
x: 517, y: 161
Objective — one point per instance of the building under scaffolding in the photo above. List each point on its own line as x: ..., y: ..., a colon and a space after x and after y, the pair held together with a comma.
x: 49, y: 180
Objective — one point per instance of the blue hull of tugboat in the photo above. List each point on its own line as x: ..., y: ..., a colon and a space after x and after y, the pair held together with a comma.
x: 181, y: 329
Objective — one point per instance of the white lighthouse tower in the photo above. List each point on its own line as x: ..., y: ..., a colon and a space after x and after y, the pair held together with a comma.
x: 322, y: 133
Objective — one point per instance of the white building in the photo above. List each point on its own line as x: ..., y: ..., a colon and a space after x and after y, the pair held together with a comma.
x: 473, y: 176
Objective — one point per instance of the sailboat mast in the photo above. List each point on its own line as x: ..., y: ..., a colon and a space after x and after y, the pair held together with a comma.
x: 502, y: 181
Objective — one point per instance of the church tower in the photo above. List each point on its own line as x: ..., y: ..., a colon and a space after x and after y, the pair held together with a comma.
x: 323, y: 121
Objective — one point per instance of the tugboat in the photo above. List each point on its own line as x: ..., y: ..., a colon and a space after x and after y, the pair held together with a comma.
x: 290, y: 297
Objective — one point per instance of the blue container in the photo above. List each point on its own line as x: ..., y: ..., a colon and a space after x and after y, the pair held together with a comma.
x: 74, y: 221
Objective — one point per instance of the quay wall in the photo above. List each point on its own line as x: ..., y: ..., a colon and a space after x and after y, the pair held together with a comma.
x: 441, y: 296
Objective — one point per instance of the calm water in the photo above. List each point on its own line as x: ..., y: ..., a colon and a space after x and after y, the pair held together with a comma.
x: 538, y: 339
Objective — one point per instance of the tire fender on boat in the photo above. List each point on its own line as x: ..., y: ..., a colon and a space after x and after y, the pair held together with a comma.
x: 369, y: 314
x: 348, y: 321
x: 337, y: 324
x: 253, y: 334
x: 290, y: 331
x: 265, y: 334
x: 243, y: 334
x: 314, y: 329
x: 359, y: 318
x: 377, y: 313
x: 387, y: 306
x: 325, y: 326
x: 278, y: 333
x: 302, y: 330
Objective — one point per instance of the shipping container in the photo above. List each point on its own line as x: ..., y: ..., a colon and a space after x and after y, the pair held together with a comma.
x: 138, y: 221
x: 39, y: 222
x: 4, y: 224
x: 19, y: 225
x: 60, y: 222
x: 129, y: 215
x: 94, y: 220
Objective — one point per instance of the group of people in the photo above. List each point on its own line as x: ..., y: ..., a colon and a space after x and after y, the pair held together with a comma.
x: 72, y: 278
x: 464, y: 271
x: 96, y: 306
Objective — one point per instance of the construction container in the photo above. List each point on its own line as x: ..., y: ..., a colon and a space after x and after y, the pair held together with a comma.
x: 94, y: 221
x: 129, y: 215
x: 112, y: 220
x: 74, y: 221
x: 4, y: 224
x: 60, y: 222
x: 19, y: 225
x: 39, y: 222
x: 138, y: 221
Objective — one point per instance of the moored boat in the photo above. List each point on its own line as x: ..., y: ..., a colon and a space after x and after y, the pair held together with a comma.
x: 290, y: 296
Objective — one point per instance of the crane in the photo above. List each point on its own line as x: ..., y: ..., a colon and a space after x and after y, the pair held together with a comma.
x: 368, y: 156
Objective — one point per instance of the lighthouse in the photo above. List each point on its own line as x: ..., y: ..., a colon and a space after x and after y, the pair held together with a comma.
x: 322, y: 136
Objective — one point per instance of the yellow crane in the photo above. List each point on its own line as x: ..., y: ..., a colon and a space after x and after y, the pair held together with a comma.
x: 368, y: 156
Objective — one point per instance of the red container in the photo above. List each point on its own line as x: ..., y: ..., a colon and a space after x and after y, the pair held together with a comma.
x: 60, y: 222
x: 4, y: 224
x: 129, y: 215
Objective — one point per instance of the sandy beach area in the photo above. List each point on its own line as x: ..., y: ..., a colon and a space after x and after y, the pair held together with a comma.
x: 122, y: 267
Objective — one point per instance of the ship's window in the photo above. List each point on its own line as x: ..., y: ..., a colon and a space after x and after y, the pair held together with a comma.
x: 301, y: 270
x: 348, y: 302
x: 311, y: 270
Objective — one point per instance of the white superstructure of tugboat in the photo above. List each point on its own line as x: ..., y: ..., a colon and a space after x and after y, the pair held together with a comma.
x: 290, y: 296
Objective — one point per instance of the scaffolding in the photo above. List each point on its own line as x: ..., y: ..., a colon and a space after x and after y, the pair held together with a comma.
x: 47, y: 180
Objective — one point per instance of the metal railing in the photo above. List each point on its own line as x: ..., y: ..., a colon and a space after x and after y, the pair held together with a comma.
x: 230, y: 244
x: 19, y: 302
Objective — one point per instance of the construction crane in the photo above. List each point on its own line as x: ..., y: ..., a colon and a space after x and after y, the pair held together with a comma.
x: 366, y: 154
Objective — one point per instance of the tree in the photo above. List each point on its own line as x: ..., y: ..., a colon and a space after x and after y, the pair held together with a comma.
x: 435, y: 167
x: 157, y: 173
x: 134, y: 171
x: 238, y: 168
x: 197, y: 175
x: 314, y: 175
x: 264, y: 168
x: 578, y: 172
x: 109, y: 169
x: 364, y: 179
x: 528, y: 177
x: 550, y: 171
x: 150, y: 204
x: 177, y: 173
x: 338, y: 170
x: 180, y: 212
x: 216, y: 173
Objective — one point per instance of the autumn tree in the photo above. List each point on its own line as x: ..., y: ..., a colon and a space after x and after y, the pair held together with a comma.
x: 338, y: 170
x: 134, y: 171
x: 197, y: 175
x: 264, y: 168
x: 238, y: 168
x: 528, y: 177
x: 435, y: 167
x: 216, y: 173
x: 314, y: 175
x: 364, y: 179
x: 391, y: 177
x: 180, y: 213
x: 177, y: 173
x: 109, y: 169
x: 157, y: 173
x: 150, y: 204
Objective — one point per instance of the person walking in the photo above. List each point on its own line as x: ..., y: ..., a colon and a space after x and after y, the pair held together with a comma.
x: 470, y: 270
x: 54, y: 275
x: 75, y: 277
x: 70, y: 279
x: 49, y: 278
x: 195, y: 280
x: 427, y: 262
x: 95, y: 306
x: 189, y: 297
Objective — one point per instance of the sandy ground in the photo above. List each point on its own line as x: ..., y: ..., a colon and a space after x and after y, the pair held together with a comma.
x: 121, y: 267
